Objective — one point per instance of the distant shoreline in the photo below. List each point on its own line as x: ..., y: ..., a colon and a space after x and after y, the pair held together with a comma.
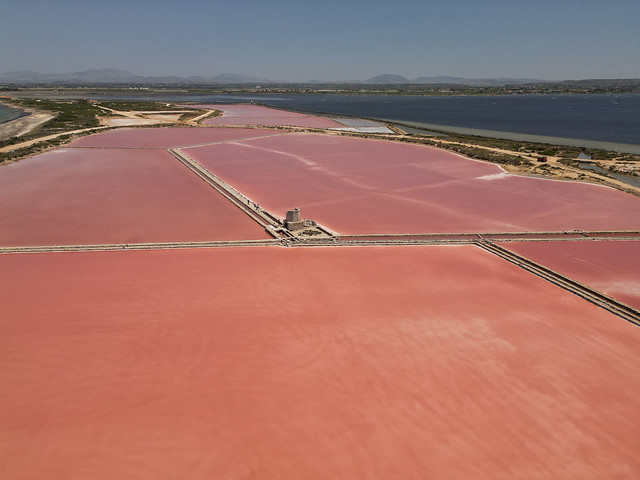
x: 523, y: 137
x: 21, y: 113
x: 439, y: 129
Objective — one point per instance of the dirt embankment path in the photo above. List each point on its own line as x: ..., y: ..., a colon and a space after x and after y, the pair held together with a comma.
x: 124, y: 118
x: 28, y: 143
x: 551, y: 167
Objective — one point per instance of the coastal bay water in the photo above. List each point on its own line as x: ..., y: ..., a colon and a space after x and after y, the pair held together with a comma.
x: 7, y: 114
x: 603, y: 118
x: 596, y: 121
x: 630, y: 179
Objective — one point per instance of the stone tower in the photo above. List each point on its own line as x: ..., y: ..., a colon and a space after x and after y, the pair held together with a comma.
x: 294, y: 222
x: 293, y: 215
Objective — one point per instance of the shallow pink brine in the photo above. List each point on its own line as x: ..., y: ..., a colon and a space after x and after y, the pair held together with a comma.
x: 355, y: 186
x: 373, y: 362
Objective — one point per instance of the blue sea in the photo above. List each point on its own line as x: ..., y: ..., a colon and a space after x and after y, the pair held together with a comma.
x: 7, y: 114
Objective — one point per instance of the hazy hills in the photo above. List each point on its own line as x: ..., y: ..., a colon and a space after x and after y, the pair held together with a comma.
x: 122, y: 77
x: 113, y: 75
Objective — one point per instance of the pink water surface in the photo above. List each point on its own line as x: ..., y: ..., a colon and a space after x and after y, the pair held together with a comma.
x: 98, y: 196
x: 310, y: 122
x: 612, y: 267
x: 167, y: 137
x: 258, y: 115
x: 356, y: 185
x: 341, y: 363
x: 245, y: 110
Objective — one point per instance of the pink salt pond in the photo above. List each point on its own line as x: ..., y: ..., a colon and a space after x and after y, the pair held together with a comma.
x: 314, y: 363
x: 169, y: 137
x: 244, y: 111
x: 100, y: 196
x: 308, y: 122
x: 357, y: 186
x: 612, y: 267
x: 258, y: 115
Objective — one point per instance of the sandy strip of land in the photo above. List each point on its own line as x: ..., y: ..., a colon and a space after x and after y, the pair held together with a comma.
x: 200, y: 118
x: 28, y: 143
x: 24, y: 124
x: 562, y: 171
x: 139, y: 117
x: 128, y: 121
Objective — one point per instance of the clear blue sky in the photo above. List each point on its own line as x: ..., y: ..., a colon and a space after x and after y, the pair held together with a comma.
x: 331, y: 40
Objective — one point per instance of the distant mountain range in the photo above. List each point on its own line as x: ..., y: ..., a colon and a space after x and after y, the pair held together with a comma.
x: 122, y: 77
x: 113, y: 75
